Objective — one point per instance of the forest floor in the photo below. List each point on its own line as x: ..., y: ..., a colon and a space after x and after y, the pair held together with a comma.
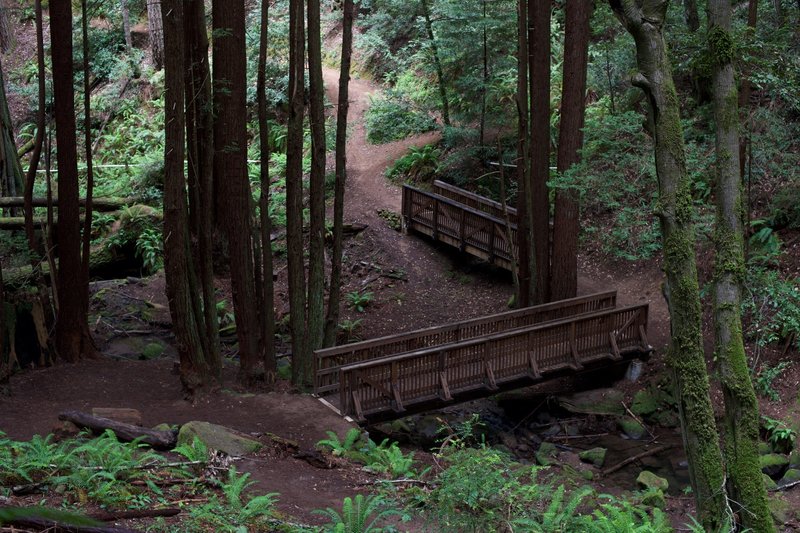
x: 436, y: 285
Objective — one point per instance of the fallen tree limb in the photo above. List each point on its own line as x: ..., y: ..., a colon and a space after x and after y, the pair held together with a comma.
x: 52, y: 526
x: 98, y: 204
x: 111, y: 516
x: 629, y: 460
x: 160, y: 440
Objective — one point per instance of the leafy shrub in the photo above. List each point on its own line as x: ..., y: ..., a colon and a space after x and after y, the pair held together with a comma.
x: 359, y: 300
x: 772, y: 307
x: 392, y: 118
x: 766, y: 376
x: 419, y: 164
x: 780, y: 437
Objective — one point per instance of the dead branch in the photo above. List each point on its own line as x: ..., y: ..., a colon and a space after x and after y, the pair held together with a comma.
x: 629, y: 460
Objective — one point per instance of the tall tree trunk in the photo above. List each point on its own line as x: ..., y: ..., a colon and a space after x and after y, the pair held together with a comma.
x: 316, y: 259
x: 126, y: 25
x: 437, y: 62
x: 526, y: 277
x: 72, y: 330
x: 334, y: 293
x: 200, y: 156
x: 230, y: 171
x: 691, y: 15
x: 87, y: 126
x: 539, y: 61
x: 741, y: 406
x: 6, y: 36
x: 645, y: 22
x: 4, y: 370
x: 566, y: 225
x: 10, y: 169
x: 485, y: 84
x: 267, y: 291
x: 747, y: 90
x: 156, y: 30
x: 178, y: 263
x: 301, y: 355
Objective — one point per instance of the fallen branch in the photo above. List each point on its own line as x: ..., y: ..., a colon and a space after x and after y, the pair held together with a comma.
x: 160, y: 440
x: 629, y: 460
x: 786, y: 486
x: 112, y: 516
x: 52, y: 526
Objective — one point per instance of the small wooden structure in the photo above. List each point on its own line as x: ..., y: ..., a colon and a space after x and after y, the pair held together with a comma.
x: 393, y: 376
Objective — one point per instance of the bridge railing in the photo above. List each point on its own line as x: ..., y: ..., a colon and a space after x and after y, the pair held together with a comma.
x: 475, y: 201
x: 469, y: 229
x: 327, y: 362
x: 393, y: 383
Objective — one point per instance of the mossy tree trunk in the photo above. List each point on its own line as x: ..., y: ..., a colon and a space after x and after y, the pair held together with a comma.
x: 644, y: 20
x: 437, y: 62
x: 334, y: 294
x: 741, y: 407
x: 10, y: 169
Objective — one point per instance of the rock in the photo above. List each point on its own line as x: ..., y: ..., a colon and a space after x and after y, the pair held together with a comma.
x: 594, y: 402
x: 644, y: 403
x: 648, y: 480
x: 595, y: 456
x: 534, y: 439
x: 552, y: 431
x: 666, y: 418
x: 794, y: 459
x: 152, y: 350
x: 769, y: 483
x: 654, y: 498
x: 217, y: 437
x: 774, y: 464
x: 588, y: 475
x: 791, y: 475
x: 546, y: 455
x: 631, y: 427
x: 509, y: 440
x: 428, y: 427
x: 165, y: 427
x: 780, y: 510
x: 764, y: 448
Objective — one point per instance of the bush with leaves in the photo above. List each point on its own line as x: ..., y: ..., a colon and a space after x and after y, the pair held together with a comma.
x: 362, y: 514
x: 392, y: 118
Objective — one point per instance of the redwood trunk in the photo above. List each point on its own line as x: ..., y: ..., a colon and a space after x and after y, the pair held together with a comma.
x: 566, y: 226
x: 526, y: 270
x: 334, y: 298
x: 156, y: 30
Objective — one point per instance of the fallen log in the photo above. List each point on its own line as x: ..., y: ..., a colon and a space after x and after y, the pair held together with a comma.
x: 160, y: 440
x: 98, y: 204
x: 112, y: 516
x: 52, y: 521
x: 18, y: 223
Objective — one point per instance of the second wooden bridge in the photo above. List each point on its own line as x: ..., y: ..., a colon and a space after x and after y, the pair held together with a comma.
x: 394, y: 376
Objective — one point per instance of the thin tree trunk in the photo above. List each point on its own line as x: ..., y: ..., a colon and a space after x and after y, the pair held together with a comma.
x: 691, y: 14
x: 334, y: 293
x: 741, y: 406
x: 316, y: 269
x: 539, y: 58
x: 199, y: 130
x: 126, y: 25
x: 230, y: 162
x: 87, y: 126
x: 527, y: 263
x: 267, y: 290
x: 156, y: 31
x: 10, y: 168
x: 194, y: 367
x: 566, y: 226
x: 6, y: 36
x: 645, y: 21
x: 747, y: 90
x: 437, y: 62
x: 485, y: 84
x: 72, y: 330
x: 301, y: 355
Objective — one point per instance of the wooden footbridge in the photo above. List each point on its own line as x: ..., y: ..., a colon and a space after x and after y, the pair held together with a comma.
x: 394, y: 376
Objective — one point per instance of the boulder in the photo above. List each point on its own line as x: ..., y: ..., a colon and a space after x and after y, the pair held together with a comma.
x: 546, y: 455
x: 792, y: 475
x: 654, y: 498
x: 764, y: 448
x: 794, y: 459
x: 632, y: 428
x: 769, y: 483
x: 774, y: 464
x: 217, y: 437
x: 594, y: 402
x: 595, y: 456
x: 648, y: 480
x: 645, y: 403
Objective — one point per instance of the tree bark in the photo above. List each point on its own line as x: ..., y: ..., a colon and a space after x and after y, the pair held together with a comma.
x: 539, y: 60
x: 334, y: 292
x: 267, y: 290
x: 742, y: 420
x: 316, y: 259
x: 10, y: 168
x: 200, y: 156
x: 6, y: 36
x: 645, y: 22
x: 566, y: 226
x: 230, y: 172
x: 73, y: 340
x: 437, y: 62
x: 156, y: 30
x: 195, y: 364
x: 526, y: 278
x: 747, y: 90
x: 161, y: 440
x: 301, y: 355
x: 126, y: 25
x: 87, y: 127
x: 691, y: 15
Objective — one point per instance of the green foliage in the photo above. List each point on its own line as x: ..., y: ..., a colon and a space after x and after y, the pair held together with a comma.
x: 342, y: 447
x: 384, y: 457
x: 359, y: 300
x: 779, y: 435
x: 392, y: 117
x: 359, y: 515
x: 350, y: 329
x: 419, y: 164
x: 772, y: 307
x: 766, y: 376
x: 150, y: 249
x: 621, y: 516
x: 9, y: 515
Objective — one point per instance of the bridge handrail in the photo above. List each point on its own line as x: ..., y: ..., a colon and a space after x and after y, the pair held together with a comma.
x: 474, y: 200
x: 392, y: 382
x: 328, y: 361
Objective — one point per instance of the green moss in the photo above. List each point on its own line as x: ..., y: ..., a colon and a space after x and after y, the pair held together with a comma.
x: 721, y: 46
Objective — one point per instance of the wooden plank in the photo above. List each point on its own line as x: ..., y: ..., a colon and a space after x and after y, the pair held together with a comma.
x: 359, y: 413
x: 643, y: 337
x: 445, y: 392
x: 615, y: 355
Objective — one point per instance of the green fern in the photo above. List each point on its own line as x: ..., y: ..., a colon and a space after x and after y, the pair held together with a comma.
x: 339, y: 447
x: 357, y: 515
